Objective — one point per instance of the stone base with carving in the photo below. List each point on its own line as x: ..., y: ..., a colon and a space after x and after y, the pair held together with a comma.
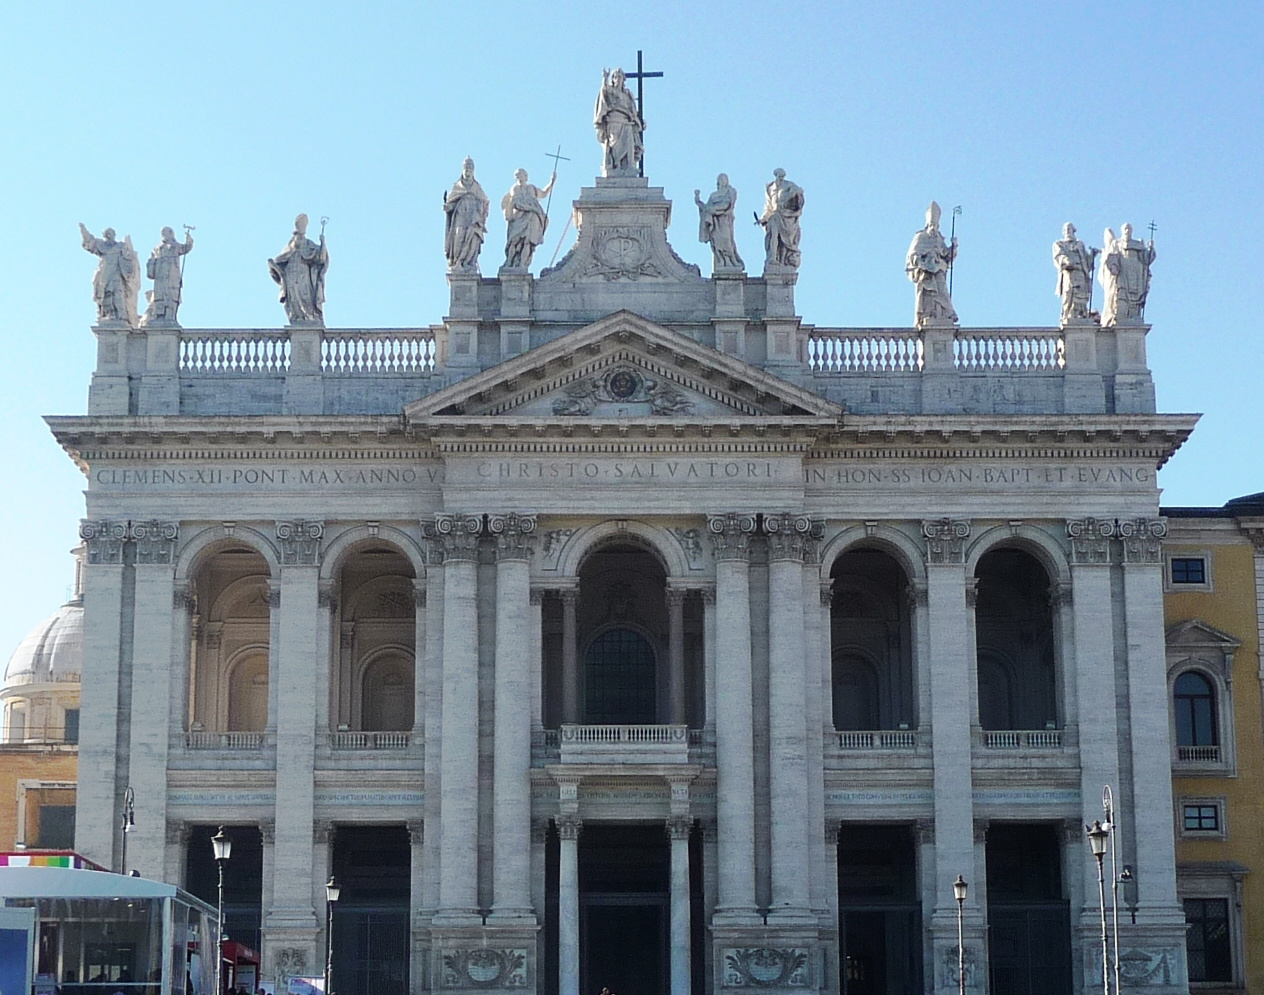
x: 483, y: 958
x: 768, y: 959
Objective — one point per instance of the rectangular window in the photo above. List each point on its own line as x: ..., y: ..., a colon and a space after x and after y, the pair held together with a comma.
x: 1202, y: 818
x: 56, y: 827
x: 72, y: 726
x: 1207, y: 939
x: 1189, y: 570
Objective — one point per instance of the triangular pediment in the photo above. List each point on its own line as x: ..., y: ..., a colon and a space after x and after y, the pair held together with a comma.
x: 1197, y: 634
x: 623, y: 367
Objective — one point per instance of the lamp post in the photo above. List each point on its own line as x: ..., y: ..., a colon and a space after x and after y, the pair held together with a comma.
x: 1108, y: 807
x: 332, y: 891
x: 1097, y: 838
x: 223, y: 848
x: 959, y: 891
x: 127, y: 824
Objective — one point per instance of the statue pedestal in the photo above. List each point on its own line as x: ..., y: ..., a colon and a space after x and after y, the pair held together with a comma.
x: 160, y: 383
x: 729, y: 312
x: 304, y: 381
x: 780, y: 322
x: 1134, y: 387
x: 461, y: 356
x: 1084, y: 391
x: 515, y: 311
x: 108, y: 393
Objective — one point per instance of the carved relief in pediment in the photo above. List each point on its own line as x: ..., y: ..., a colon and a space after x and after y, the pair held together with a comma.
x: 622, y: 385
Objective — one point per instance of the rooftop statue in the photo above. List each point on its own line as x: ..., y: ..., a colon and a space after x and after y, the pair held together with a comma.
x: 164, y: 269
x: 783, y: 205
x: 465, y: 224
x: 619, y: 126
x: 300, y: 270
x: 715, y: 224
x: 1125, y: 276
x: 527, y: 220
x: 928, y: 262
x: 1074, y: 262
x: 117, y: 279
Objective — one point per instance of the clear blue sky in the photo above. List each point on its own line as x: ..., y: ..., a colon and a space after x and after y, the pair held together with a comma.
x: 236, y: 116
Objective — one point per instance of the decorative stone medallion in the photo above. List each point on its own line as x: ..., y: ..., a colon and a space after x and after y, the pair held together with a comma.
x: 766, y: 967
x: 484, y: 967
x: 622, y: 385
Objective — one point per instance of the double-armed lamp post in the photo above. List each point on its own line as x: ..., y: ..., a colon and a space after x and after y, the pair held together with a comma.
x: 223, y: 848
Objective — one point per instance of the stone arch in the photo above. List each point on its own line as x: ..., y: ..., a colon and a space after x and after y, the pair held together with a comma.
x: 376, y: 711
x: 657, y: 541
x: 899, y: 545
x: 235, y: 594
x: 1037, y: 542
x: 351, y: 540
x: 193, y: 554
x: 244, y: 705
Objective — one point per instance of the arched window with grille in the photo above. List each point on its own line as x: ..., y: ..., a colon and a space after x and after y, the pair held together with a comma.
x: 1194, y: 702
x: 619, y: 678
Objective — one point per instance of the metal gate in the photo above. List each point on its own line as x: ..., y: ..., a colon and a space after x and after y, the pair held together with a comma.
x: 1029, y: 948
x: 371, y: 949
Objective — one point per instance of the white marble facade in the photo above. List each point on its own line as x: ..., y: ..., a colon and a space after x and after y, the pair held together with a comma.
x: 363, y: 586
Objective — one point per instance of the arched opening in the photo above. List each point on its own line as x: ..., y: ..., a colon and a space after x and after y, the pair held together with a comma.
x: 1194, y: 701
x: 622, y: 637
x: 248, y: 694
x: 1017, y: 673
x: 871, y: 642
x: 374, y: 664
x: 229, y: 659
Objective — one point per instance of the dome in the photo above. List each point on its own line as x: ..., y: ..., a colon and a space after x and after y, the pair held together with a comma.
x: 52, y: 652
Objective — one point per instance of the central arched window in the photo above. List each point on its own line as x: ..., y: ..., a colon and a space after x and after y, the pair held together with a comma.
x: 1195, y: 705
x: 620, y: 679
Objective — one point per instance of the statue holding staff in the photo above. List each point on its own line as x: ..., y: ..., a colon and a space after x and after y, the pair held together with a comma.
x: 465, y: 208
x: 117, y: 279
x: 715, y: 224
x: 300, y: 270
x: 163, y: 268
x: 927, y: 264
x: 1074, y: 262
x: 1125, y: 277
x: 527, y: 220
x: 619, y: 126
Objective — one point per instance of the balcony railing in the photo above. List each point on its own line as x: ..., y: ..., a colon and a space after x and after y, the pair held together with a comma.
x: 50, y: 736
x: 639, y: 744
x: 882, y: 739
x: 203, y: 740
x: 345, y: 740
x: 1022, y: 739
x: 1199, y: 754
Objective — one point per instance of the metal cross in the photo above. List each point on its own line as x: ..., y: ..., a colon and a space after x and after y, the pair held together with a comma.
x: 641, y: 76
x: 1153, y: 229
x: 556, y: 157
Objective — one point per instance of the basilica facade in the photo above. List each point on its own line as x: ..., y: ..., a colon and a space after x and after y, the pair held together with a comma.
x: 625, y: 630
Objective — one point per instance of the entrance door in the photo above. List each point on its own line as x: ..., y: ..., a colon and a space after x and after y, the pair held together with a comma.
x: 624, y: 941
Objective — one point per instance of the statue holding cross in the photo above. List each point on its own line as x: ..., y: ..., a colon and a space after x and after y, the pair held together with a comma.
x: 619, y: 126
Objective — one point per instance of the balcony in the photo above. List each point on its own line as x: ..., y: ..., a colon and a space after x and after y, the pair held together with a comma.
x: 1022, y: 739
x: 624, y: 744
x: 346, y: 740
x: 201, y: 739
x: 1199, y: 755
x: 884, y: 739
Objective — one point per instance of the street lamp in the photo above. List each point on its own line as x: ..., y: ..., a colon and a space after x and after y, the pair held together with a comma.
x: 1108, y: 807
x: 959, y: 891
x: 223, y: 848
x: 1098, y: 835
x: 332, y: 891
x: 127, y: 825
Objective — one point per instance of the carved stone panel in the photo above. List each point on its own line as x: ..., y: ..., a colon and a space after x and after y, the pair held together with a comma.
x: 766, y: 967
x: 484, y: 967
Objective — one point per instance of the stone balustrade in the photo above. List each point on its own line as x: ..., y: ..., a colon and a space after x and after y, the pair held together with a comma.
x: 884, y: 739
x: 642, y: 744
x: 345, y: 740
x: 206, y: 740
x: 1022, y: 739
x: 305, y: 370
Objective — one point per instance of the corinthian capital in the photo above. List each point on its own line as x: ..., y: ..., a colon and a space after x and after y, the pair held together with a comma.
x: 459, y: 535
x: 155, y: 541
x: 730, y: 535
x: 104, y: 540
x: 514, y: 535
x: 790, y: 537
x: 945, y: 540
x: 1142, y: 539
x: 300, y: 542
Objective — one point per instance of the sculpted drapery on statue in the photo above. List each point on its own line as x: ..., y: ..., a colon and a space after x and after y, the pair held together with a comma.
x: 783, y: 206
x: 619, y: 126
x: 929, y: 259
x: 164, y: 269
x: 117, y: 279
x: 1074, y: 262
x: 527, y: 220
x: 1125, y: 276
x: 715, y: 224
x: 300, y: 270
x: 465, y: 224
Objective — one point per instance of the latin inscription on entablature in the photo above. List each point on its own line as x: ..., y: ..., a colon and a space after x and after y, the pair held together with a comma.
x: 978, y: 476
x: 295, y: 478
x: 606, y: 471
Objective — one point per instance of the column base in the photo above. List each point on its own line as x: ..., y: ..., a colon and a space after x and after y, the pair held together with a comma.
x: 489, y: 958
x: 1151, y: 957
x: 775, y: 958
x: 291, y: 950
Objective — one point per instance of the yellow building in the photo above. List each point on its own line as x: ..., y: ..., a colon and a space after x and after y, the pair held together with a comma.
x: 39, y: 731
x: 1214, y: 607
